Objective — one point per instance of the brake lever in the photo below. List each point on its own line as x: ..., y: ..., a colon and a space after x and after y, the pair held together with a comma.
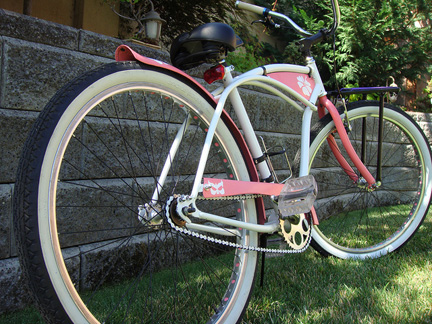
x: 268, y: 23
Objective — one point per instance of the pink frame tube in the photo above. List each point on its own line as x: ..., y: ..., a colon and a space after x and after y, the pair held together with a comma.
x: 324, y: 102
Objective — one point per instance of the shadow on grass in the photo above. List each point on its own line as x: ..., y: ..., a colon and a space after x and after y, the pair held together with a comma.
x: 310, y: 289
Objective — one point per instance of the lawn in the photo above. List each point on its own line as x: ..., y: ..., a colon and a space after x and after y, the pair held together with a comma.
x: 307, y: 288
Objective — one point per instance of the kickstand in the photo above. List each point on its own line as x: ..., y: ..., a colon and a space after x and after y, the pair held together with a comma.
x: 263, y: 245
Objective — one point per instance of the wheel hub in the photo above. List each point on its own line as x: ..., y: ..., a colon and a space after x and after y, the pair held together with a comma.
x: 173, y: 215
x: 150, y: 214
x: 362, y: 184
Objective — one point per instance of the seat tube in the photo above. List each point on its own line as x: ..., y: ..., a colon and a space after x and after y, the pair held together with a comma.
x: 305, y: 142
x: 248, y: 130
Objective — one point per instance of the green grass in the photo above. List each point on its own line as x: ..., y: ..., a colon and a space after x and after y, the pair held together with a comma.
x: 307, y: 288
x: 163, y: 292
x: 364, y: 227
x: 310, y: 289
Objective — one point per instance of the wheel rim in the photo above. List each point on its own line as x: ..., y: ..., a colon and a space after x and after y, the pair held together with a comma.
x: 190, y: 296
x: 355, y: 222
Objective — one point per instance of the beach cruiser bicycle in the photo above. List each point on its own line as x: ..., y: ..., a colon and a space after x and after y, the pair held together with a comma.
x: 141, y: 199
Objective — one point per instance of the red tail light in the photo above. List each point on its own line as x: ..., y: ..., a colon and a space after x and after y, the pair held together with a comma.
x: 214, y: 74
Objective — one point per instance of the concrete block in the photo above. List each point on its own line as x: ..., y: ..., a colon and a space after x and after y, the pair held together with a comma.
x: 100, y: 263
x: 112, y: 215
x: 135, y: 255
x: 33, y: 73
x: 97, y: 44
x: 1, y: 69
x: 36, y: 30
x: 421, y: 117
x: 14, y: 291
x: 425, y: 122
x: 5, y: 221
x: 270, y: 113
x: 14, y: 128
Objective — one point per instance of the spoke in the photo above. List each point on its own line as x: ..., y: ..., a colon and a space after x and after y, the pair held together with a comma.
x: 357, y: 218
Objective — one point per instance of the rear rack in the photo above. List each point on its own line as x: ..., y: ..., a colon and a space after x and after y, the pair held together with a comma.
x: 367, y: 90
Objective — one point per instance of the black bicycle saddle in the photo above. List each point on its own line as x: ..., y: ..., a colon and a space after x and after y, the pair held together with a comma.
x: 208, y: 43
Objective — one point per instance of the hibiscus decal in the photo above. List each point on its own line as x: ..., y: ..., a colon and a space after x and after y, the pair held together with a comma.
x: 304, y: 85
x: 216, y: 188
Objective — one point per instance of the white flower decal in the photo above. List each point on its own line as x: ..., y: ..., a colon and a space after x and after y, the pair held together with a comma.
x: 216, y: 188
x: 304, y: 85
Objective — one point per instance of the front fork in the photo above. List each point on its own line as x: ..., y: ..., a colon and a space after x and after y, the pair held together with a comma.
x: 325, y: 103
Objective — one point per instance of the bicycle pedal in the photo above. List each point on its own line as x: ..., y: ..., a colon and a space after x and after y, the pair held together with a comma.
x: 297, y: 196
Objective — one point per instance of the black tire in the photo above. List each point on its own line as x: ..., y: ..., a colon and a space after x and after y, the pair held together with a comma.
x: 359, y: 223
x: 93, y: 157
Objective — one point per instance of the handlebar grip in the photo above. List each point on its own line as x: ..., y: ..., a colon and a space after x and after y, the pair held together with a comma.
x: 250, y: 7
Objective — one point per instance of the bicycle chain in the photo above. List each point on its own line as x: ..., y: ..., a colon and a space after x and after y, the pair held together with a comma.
x: 184, y: 230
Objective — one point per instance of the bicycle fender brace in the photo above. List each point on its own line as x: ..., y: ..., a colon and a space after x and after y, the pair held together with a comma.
x: 125, y: 53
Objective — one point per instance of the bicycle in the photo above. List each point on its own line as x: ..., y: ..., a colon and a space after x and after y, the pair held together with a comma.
x: 138, y: 199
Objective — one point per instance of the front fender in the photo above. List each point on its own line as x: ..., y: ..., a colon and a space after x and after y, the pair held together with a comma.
x: 125, y: 53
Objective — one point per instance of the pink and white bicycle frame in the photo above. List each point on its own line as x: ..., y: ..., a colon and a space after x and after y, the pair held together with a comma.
x: 304, y: 84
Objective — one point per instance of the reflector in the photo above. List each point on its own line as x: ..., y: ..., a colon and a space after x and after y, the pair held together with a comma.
x: 214, y: 74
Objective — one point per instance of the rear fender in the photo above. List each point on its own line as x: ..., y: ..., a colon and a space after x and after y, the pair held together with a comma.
x: 125, y: 53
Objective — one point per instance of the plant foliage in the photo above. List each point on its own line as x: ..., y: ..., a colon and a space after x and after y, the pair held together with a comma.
x: 180, y: 16
x: 376, y: 39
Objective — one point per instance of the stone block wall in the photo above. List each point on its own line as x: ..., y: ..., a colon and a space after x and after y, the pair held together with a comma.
x: 38, y: 57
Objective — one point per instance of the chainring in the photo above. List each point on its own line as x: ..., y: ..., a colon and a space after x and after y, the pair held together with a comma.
x: 296, y: 230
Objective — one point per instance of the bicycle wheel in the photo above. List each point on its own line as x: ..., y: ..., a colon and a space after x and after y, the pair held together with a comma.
x: 93, y: 159
x: 355, y: 222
